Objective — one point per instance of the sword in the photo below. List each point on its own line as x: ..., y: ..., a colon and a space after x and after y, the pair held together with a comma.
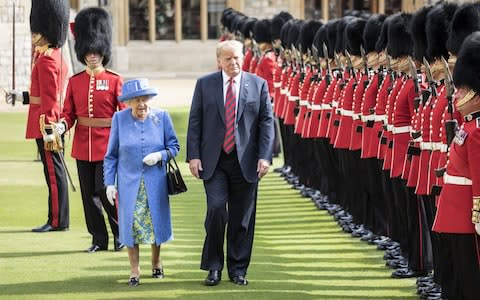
x: 10, y: 98
x: 64, y: 165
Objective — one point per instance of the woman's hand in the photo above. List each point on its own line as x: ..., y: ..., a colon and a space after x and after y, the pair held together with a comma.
x: 152, y: 158
x: 111, y: 193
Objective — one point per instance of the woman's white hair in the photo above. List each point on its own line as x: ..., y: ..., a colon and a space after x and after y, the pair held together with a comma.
x: 234, y: 45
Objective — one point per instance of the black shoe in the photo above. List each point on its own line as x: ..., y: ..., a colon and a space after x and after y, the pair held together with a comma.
x: 158, y: 273
x: 213, y: 278
x: 118, y: 246
x: 94, y: 248
x: 48, y: 227
x: 133, y: 281
x: 240, y: 280
x: 407, y: 273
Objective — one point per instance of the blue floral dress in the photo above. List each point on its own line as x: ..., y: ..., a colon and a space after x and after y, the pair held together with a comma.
x: 142, y: 219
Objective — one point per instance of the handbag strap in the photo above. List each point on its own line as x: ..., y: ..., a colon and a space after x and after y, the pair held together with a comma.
x: 171, y: 157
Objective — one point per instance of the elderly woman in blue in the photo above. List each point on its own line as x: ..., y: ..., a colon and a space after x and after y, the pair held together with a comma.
x: 135, y: 160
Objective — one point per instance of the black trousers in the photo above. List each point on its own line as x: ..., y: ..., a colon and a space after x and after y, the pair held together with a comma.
x: 56, y: 178
x: 461, y: 260
x: 231, y: 204
x: 90, y: 175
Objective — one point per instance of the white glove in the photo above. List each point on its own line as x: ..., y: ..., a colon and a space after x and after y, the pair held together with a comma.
x: 477, y: 228
x: 48, y: 138
x: 152, y: 158
x: 60, y: 128
x: 111, y: 193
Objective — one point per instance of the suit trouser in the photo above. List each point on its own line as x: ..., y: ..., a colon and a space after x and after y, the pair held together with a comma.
x: 461, y: 260
x: 54, y: 171
x: 90, y: 175
x: 230, y: 200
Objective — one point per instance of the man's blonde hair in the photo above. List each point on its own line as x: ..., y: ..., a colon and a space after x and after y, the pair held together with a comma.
x: 234, y: 45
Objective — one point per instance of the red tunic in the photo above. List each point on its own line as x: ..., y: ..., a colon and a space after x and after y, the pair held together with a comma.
x: 303, y: 88
x: 344, y: 109
x: 247, y: 59
x: 266, y: 68
x: 387, y: 134
x: 318, y: 93
x: 369, y: 135
x: 326, y: 113
x: 461, y: 182
x: 292, y: 99
x: 277, y: 83
x: 357, y: 125
x: 49, y: 74
x: 91, y: 96
x: 377, y: 147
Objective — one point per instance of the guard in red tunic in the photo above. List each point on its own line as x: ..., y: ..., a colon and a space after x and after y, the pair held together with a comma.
x: 458, y: 214
x: 49, y: 27
x: 90, y: 103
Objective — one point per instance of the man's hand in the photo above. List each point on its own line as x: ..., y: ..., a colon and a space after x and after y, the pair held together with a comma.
x: 262, y: 167
x: 152, y: 158
x: 48, y: 138
x: 195, y: 166
x: 60, y: 128
x: 477, y: 228
x: 111, y: 193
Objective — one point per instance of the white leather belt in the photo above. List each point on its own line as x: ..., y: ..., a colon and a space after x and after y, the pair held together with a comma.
x: 283, y: 91
x: 419, y: 140
x: 401, y: 129
x: 292, y: 98
x: 316, y: 107
x: 303, y: 102
x: 334, y: 103
x: 389, y: 127
x: 325, y: 106
x: 458, y: 180
x: 436, y: 146
x: 277, y: 84
x: 425, y: 146
x: 444, y: 148
x: 356, y: 116
x: 368, y: 118
x: 379, y: 118
x: 345, y: 112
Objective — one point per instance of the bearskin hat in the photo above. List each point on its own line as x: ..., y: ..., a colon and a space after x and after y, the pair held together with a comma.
x: 277, y: 22
x: 294, y: 33
x: 399, y: 38
x: 262, y: 31
x: 340, y: 41
x: 332, y: 36
x: 382, y: 40
x: 417, y: 29
x: 465, y: 21
x: 438, y: 20
x: 354, y: 35
x: 50, y: 19
x: 371, y: 32
x: 320, y: 38
x: 237, y: 23
x: 93, y: 33
x: 247, y: 27
x: 284, y: 32
x: 467, y: 68
x: 307, y: 33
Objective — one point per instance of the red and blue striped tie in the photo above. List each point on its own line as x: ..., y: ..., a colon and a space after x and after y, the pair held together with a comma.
x: 230, y: 103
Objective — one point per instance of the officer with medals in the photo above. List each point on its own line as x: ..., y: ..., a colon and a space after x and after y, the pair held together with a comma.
x: 49, y: 27
x: 458, y: 211
x: 91, y: 101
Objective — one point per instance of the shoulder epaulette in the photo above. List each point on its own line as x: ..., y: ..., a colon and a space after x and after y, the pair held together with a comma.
x: 113, y: 72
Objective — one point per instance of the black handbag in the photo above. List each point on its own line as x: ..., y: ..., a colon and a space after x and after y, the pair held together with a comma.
x: 175, y: 182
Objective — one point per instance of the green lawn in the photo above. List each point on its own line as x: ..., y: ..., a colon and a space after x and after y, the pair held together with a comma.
x: 299, y: 253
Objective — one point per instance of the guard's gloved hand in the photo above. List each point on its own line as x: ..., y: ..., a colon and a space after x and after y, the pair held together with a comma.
x: 48, y: 138
x: 477, y: 228
x: 152, y: 158
x: 60, y: 128
x: 111, y: 193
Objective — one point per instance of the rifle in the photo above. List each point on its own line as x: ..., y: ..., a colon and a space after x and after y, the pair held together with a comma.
x: 315, y: 57
x: 328, y: 76
x: 431, y: 81
x: 364, y: 59
x: 413, y: 74
x: 450, y: 125
x: 350, y: 64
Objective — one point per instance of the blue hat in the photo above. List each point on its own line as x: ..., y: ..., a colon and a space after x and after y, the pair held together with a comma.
x: 136, y: 88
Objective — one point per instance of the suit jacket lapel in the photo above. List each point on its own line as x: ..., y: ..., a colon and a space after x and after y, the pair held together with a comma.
x: 244, y: 82
x: 219, y: 95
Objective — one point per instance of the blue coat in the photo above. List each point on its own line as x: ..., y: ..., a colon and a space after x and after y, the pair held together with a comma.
x: 130, y: 140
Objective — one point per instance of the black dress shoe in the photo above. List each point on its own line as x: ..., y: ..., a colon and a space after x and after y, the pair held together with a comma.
x: 94, y: 248
x: 48, y: 227
x: 158, y: 273
x: 133, y: 281
x: 119, y: 246
x: 213, y: 278
x: 240, y: 280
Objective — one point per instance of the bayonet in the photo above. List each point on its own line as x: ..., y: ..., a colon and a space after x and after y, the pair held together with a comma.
x: 364, y: 59
x: 413, y: 73
x: 431, y: 81
x: 328, y: 76
x: 450, y: 125
x: 315, y: 56
x: 349, y: 64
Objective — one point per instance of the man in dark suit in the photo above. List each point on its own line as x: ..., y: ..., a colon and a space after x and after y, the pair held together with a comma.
x: 229, y: 146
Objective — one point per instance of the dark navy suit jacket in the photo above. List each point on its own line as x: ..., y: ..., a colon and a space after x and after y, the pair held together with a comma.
x: 254, y: 124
